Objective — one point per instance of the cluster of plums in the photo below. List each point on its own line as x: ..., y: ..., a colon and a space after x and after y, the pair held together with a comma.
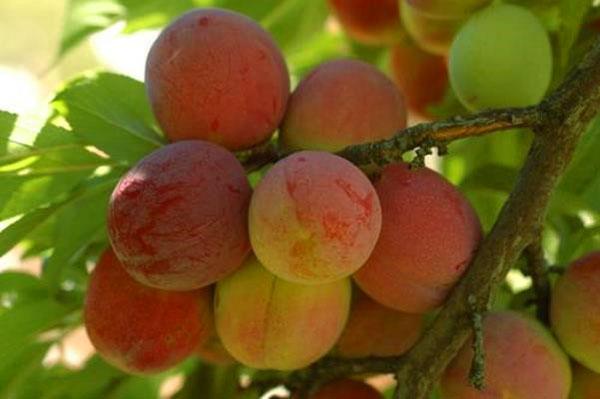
x: 478, y: 45
x: 202, y: 263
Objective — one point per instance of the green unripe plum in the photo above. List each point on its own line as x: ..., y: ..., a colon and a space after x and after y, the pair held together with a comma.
x: 269, y: 323
x: 586, y: 383
x: 574, y: 311
x: 501, y: 58
x: 522, y: 361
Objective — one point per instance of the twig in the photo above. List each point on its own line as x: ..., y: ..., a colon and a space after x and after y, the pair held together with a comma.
x: 428, y: 135
x: 477, y: 372
x: 536, y: 268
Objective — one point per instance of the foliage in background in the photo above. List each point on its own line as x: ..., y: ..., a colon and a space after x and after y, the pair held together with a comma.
x: 56, y: 176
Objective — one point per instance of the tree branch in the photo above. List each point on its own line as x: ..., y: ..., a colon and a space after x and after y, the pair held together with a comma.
x: 433, y: 133
x: 558, y: 123
x: 439, y: 133
x: 564, y: 117
x: 537, y: 270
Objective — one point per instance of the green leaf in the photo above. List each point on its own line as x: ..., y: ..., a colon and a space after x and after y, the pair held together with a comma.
x: 137, y: 388
x: 17, y: 281
x: 21, y: 194
x: 491, y: 177
x: 507, y: 148
x: 315, y: 50
x: 111, y: 112
x: 26, y: 140
x: 7, y: 125
x: 14, y: 233
x: 575, y: 238
x: 17, y: 371
x: 17, y: 289
x: 73, y: 233
x: 39, y: 166
x: 580, y: 173
x: 307, y: 18
x: 23, y: 323
x: 84, y: 17
x: 144, y: 14
x: 572, y: 13
x: 257, y: 10
x: 91, y: 382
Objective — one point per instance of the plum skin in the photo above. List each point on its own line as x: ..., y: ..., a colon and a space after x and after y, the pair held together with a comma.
x: 428, y: 236
x: 433, y: 33
x: 367, y: 23
x: 268, y: 323
x: 512, y: 72
x: 178, y: 219
x: 314, y: 218
x: 522, y: 360
x: 139, y: 329
x: 375, y: 330
x: 216, y: 75
x: 421, y: 76
x: 573, y: 310
x: 317, y: 118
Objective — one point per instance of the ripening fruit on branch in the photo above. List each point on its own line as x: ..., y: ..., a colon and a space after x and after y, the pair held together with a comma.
x: 268, y: 323
x: 522, y: 361
x: 433, y: 34
x: 178, y: 219
x: 217, y: 75
x: 139, y: 329
x: 422, y: 77
x: 370, y: 22
x: 346, y: 389
x: 586, y: 383
x: 314, y: 218
x: 501, y: 58
x: 428, y: 237
x: 448, y: 8
x: 374, y: 330
x: 340, y: 103
x: 574, y: 310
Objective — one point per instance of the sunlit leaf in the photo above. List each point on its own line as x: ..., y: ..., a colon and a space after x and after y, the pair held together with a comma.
x: 73, y: 232
x: 111, y: 112
x: 23, y: 323
x: 572, y: 13
x: 84, y: 17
